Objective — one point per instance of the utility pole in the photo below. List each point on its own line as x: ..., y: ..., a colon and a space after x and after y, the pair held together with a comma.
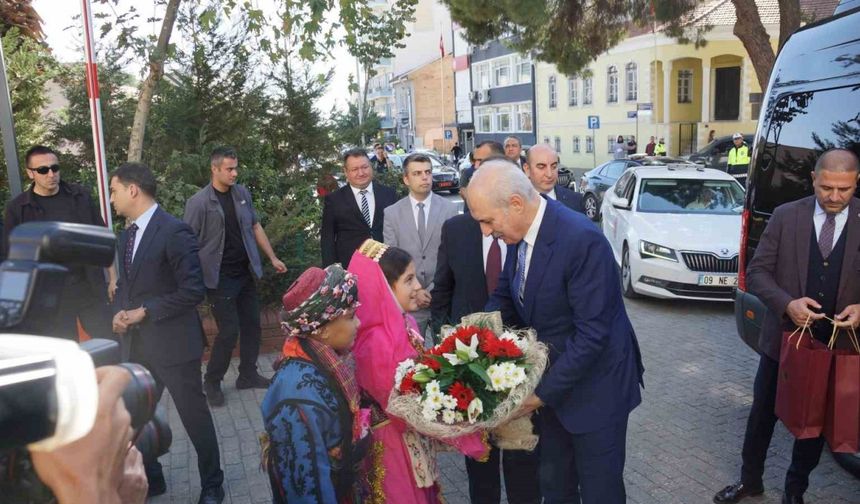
x: 360, y: 102
x: 7, y: 127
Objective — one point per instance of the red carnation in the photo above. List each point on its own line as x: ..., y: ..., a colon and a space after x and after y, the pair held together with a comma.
x: 464, y: 334
x: 462, y: 393
x: 507, y: 348
x: 431, y: 363
x: 408, y: 384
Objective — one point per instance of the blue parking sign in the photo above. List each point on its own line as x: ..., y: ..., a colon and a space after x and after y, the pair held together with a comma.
x: 449, y: 135
x: 593, y: 122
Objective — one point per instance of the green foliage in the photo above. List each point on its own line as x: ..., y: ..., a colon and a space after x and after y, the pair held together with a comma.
x: 568, y: 33
x: 347, y: 130
x: 29, y: 66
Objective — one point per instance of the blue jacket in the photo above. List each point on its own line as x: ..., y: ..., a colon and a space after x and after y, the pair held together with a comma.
x: 573, y: 300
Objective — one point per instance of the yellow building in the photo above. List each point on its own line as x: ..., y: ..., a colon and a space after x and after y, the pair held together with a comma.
x: 690, y: 92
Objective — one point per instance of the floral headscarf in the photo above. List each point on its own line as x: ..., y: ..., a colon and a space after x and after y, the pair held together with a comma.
x: 316, y: 298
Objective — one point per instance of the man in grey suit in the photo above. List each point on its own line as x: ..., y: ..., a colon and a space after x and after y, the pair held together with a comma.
x: 415, y: 224
x: 804, y: 270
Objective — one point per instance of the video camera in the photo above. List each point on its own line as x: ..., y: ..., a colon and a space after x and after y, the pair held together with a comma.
x: 48, y: 389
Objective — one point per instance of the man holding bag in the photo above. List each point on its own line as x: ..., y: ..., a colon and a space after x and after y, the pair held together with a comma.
x: 804, y: 271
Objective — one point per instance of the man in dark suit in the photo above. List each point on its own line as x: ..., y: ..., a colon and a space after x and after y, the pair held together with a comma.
x: 514, y: 151
x: 541, y: 167
x: 560, y: 278
x: 160, y: 285
x: 468, y: 266
x: 803, y: 270
x: 354, y: 212
x: 482, y: 151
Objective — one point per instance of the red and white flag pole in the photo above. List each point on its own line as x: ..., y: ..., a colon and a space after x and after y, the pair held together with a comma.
x: 92, y: 79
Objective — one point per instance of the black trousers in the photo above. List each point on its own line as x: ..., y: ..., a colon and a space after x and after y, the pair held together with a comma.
x: 237, y: 314
x: 79, y: 301
x: 185, y: 386
x: 520, y: 467
x: 806, y: 452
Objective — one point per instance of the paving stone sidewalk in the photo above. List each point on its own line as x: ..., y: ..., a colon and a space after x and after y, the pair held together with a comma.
x: 684, y: 441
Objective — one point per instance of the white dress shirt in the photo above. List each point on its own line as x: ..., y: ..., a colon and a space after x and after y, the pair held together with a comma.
x: 369, y: 196
x: 426, y: 202
x: 487, y: 243
x: 142, y: 222
x: 532, y: 234
x: 820, y: 216
x: 551, y: 195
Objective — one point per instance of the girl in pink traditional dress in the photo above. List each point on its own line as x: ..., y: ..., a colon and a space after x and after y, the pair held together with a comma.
x: 401, y: 466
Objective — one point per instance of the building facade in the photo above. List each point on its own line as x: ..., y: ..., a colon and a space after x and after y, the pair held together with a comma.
x: 650, y: 85
x: 424, y: 98
x: 503, y: 94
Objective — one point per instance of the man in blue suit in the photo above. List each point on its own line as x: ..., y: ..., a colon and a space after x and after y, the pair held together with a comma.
x: 541, y: 168
x: 160, y: 285
x: 560, y: 279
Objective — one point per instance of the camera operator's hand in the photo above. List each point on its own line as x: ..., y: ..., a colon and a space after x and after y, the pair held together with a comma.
x: 90, y: 470
x: 133, y: 488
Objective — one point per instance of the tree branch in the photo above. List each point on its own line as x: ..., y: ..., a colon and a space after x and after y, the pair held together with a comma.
x: 751, y: 32
x: 156, y: 70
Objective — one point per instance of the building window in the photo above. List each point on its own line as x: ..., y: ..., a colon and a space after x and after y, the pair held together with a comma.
x: 587, y: 94
x: 632, y: 83
x: 485, y: 119
x: 572, y: 97
x: 612, y: 85
x: 502, y: 72
x: 524, y: 117
x: 482, y: 76
x: 503, y: 119
x: 576, y: 145
x: 685, y: 86
x: 589, y: 144
x: 553, y: 93
x: 558, y: 144
x: 522, y: 70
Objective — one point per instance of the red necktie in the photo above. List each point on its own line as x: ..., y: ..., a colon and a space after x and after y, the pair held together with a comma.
x: 494, y: 266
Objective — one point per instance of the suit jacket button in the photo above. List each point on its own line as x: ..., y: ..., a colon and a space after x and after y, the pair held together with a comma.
x: 826, y: 263
x: 423, y: 257
x: 821, y: 294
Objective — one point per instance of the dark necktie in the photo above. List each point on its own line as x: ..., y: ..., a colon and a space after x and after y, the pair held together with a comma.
x: 494, y: 266
x: 825, y: 237
x: 520, y: 279
x: 365, y: 208
x: 129, y: 249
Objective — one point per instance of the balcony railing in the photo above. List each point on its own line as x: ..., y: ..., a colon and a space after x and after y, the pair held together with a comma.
x: 386, y: 123
x: 386, y: 92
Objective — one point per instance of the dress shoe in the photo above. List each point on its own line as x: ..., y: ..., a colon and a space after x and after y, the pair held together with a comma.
x: 737, y: 492
x: 211, y: 495
x: 253, y: 381
x: 157, y: 485
x: 213, y: 393
x: 791, y: 498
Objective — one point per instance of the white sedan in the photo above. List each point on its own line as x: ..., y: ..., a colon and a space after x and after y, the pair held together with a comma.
x: 675, y: 231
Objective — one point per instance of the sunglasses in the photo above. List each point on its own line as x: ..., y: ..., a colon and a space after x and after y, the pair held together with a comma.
x: 43, y: 170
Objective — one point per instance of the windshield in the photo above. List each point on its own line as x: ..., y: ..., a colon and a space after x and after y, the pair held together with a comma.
x: 691, y: 196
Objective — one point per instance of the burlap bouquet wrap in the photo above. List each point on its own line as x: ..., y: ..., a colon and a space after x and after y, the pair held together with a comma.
x: 507, y: 432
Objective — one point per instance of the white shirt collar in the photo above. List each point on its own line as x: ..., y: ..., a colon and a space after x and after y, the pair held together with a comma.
x: 356, y: 190
x: 144, y: 219
x: 531, y: 235
x: 415, y: 201
x: 551, y: 194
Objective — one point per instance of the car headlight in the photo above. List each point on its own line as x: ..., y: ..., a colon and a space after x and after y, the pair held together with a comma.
x: 648, y: 249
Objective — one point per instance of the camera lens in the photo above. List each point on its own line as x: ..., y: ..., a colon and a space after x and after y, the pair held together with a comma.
x: 140, y: 396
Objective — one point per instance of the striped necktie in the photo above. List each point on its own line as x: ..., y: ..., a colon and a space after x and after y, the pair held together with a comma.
x: 129, y: 249
x: 365, y: 208
x: 521, y: 272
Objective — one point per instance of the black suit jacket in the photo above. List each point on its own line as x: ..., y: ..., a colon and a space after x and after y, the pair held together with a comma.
x: 343, y: 226
x: 166, y: 278
x: 570, y: 199
x: 459, y: 286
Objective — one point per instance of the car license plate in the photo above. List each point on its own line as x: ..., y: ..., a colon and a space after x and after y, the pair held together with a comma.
x: 719, y: 280
x: 445, y: 184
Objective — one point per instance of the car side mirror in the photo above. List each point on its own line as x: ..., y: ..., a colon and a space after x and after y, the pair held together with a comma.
x: 621, y: 203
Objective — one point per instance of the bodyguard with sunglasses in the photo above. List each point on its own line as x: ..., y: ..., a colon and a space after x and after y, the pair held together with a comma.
x: 86, y: 292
